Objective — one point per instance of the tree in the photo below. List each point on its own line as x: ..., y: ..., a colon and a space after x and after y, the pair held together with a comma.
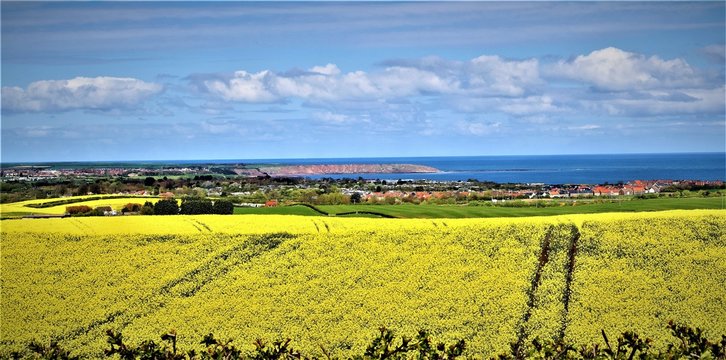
x: 166, y: 207
x: 355, y: 198
x: 147, y: 209
x: 223, y: 207
x: 196, y: 206
x: 149, y: 181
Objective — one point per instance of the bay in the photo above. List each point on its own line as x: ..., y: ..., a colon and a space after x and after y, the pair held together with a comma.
x: 548, y: 169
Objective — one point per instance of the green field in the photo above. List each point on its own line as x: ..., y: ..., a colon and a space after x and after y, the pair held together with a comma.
x: 277, y: 210
x: 465, y: 211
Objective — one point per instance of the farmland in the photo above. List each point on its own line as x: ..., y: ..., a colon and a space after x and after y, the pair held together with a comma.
x: 18, y: 209
x: 331, y: 281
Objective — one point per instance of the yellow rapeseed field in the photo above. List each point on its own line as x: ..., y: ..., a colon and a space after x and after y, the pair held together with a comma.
x: 332, y: 282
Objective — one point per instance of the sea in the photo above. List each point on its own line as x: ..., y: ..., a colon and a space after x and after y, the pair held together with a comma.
x: 547, y: 169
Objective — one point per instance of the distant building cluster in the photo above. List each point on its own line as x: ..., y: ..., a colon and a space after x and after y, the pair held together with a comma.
x: 34, y: 173
x: 538, y: 191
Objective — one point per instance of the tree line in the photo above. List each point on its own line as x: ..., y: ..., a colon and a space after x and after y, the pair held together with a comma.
x: 162, y: 207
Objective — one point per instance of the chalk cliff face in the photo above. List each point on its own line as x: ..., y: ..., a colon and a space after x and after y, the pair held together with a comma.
x: 301, y: 170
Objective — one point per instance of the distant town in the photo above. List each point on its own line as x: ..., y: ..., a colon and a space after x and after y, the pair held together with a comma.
x: 272, y: 185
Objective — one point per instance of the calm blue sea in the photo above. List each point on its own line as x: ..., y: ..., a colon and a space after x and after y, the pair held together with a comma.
x: 549, y: 169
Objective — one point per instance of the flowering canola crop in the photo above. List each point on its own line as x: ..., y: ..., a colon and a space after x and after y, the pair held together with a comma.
x: 332, y: 281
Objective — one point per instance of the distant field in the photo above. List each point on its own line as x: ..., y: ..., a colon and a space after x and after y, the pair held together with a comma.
x: 464, y: 211
x: 20, y: 209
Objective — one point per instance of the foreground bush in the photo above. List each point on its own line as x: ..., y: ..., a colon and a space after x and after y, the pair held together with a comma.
x: 689, y: 343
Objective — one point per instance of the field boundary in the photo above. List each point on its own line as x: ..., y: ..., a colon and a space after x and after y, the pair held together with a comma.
x: 345, y: 213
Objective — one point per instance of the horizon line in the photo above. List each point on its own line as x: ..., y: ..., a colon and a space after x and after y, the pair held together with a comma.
x: 343, y: 158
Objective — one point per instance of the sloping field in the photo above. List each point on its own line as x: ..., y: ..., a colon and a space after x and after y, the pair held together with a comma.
x: 334, y: 281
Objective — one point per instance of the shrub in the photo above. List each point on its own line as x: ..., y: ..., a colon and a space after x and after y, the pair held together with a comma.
x: 78, y: 209
x: 131, y: 207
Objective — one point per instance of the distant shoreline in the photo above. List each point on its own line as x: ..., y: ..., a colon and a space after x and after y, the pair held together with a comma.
x: 336, y: 169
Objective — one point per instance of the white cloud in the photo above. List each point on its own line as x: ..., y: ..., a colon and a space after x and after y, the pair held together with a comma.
x: 585, y: 127
x: 617, y: 70
x: 330, y: 117
x: 610, y: 81
x: 692, y: 101
x: 479, y: 128
x: 99, y: 93
x: 491, y: 75
x: 484, y: 76
x: 329, y: 69
x: 529, y: 105
x: 243, y: 86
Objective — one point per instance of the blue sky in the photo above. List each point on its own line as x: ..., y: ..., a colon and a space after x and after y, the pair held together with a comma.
x: 231, y: 80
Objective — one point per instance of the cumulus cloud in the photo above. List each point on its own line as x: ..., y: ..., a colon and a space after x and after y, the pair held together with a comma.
x: 614, y: 69
x: 243, y: 86
x: 99, y: 93
x: 484, y: 76
x: 492, y: 75
x: 606, y: 82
